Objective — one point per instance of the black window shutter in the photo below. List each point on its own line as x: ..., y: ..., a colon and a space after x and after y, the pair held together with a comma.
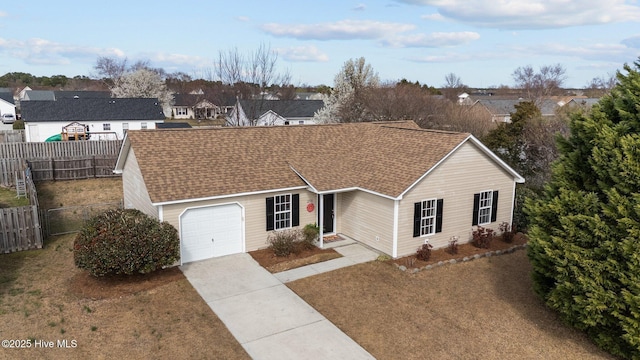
x: 270, y: 210
x: 417, y: 214
x: 295, y: 209
x: 439, y: 206
x: 476, y: 208
x: 494, y: 206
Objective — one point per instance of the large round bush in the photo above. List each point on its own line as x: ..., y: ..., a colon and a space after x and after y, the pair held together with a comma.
x: 125, y: 241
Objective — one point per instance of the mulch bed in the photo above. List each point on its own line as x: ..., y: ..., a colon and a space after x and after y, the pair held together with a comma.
x: 274, y: 264
x: 464, y: 250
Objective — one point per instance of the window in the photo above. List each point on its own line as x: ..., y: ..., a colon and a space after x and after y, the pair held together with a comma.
x: 181, y: 111
x: 125, y: 127
x: 427, y: 217
x: 143, y: 125
x: 283, y: 211
x: 485, y: 207
x: 106, y: 127
x: 300, y: 122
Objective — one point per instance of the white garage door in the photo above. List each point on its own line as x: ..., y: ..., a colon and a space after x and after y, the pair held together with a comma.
x: 212, y: 231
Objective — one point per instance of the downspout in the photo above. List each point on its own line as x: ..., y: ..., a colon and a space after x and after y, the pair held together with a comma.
x: 321, y: 220
x: 396, y: 212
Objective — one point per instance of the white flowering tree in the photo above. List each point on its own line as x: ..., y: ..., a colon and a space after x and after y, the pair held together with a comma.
x: 142, y: 83
x: 351, y: 93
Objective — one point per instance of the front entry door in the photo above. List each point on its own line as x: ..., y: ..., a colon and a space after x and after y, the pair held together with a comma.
x: 328, y: 213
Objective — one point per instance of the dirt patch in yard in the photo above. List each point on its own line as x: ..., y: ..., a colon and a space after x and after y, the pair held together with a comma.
x: 482, y: 309
x: 84, y: 285
x: 274, y: 264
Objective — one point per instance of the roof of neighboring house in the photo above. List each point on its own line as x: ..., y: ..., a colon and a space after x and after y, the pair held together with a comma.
x: 7, y: 96
x: 508, y: 106
x: 39, y: 95
x: 92, y: 109
x: 584, y: 102
x: 84, y: 94
x: 173, y: 125
x: 193, y: 99
x: 386, y: 158
x: 253, y: 109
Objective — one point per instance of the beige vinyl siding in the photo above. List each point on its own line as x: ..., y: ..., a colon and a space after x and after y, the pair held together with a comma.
x: 367, y: 218
x: 466, y: 172
x: 135, y: 191
x: 254, y: 212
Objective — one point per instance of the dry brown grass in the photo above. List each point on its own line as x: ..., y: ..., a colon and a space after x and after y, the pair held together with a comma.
x: 482, y: 309
x: 44, y: 297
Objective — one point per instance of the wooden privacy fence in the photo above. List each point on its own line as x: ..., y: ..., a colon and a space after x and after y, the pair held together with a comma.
x: 20, y: 227
x: 73, y: 168
x: 11, y: 136
x: 59, y: 149
x: 9, y: 169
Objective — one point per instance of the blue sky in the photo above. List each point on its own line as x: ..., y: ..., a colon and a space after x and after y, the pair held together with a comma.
x: 481, y: 41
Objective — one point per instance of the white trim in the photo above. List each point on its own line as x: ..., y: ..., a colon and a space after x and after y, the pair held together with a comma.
x: 313, y: 189
x: 229, y: 196
x: 122, y: 155
x: 321, y: 220
x: 242, y: 222
x: 394, y: 240
x: 161, y: 213
x: 435, y: 216
x: 513, y: 205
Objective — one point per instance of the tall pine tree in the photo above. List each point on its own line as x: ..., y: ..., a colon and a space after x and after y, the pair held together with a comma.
x: 585, y: 231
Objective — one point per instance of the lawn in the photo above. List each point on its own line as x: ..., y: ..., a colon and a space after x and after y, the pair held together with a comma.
x: 44, y: 297
x: 8, y: 198
x: 482, y: 309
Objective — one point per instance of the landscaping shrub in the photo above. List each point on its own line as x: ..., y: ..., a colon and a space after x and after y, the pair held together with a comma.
x: 284, y: 242
x: 507, y: 232
x: 424, y: 252
x: 453, y: 245
x: 18, y: 125
x: 309, y: 235
x: 482, y: 237
x: 125, y: 241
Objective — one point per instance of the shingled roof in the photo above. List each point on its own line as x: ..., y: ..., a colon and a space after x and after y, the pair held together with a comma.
x: 385, y: 158
x: 285, y: 108
x: 92, y: 109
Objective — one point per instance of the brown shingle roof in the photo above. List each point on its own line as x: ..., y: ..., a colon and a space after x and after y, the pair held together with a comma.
x: 385, y: 158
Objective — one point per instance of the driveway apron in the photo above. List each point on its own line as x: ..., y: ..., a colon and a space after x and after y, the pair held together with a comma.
x: 268, y: 319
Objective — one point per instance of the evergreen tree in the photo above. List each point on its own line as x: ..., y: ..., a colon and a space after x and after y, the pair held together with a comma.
x: 585, y: 231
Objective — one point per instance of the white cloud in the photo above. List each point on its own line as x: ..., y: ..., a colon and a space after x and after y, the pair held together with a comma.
x: 534, y: 14
x: 360, y: 7
x: 42, y: 51
x: 632, y: 42
x: 433, y: 17
x: 302, y: 54
x: 243, y: 18
x: 340, y: 30
x: 433, y: 40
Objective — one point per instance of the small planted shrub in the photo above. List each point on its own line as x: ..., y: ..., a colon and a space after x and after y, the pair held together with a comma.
x: 482, y: 237
x: 125, y: 241
x: 424, y: 252
x: 309, y: 236
x: 284, y: 242
x: 507, y: 232
x: 453, y: 245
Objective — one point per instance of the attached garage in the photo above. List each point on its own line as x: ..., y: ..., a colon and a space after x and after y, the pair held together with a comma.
x: 211, y: 231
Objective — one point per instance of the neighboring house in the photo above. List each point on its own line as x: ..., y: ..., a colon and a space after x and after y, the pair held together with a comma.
x: 583, y: 102
x: 106, y: 118
x: 173, y: 125
x: 37, y: 95
x: 389, y: 185
x: 199, y: 106
x: 53, y: 95
x: 500, y: 110
x: 274, y: 112
x: 7, y: 103
x: 309, y: 96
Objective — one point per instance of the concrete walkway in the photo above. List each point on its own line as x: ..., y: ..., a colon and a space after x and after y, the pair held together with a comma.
x: 268, y: 319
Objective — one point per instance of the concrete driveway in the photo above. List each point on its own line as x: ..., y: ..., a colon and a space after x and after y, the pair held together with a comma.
x: 268, y: 319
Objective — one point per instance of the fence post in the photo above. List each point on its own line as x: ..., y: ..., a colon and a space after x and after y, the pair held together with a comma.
x: 53, y: 168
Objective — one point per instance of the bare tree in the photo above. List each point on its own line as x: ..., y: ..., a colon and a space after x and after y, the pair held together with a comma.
x: 109, y: 69
x: 251, y: 75
x: 537, y: 85
x: 599, y: 86
x: 452, y: 87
